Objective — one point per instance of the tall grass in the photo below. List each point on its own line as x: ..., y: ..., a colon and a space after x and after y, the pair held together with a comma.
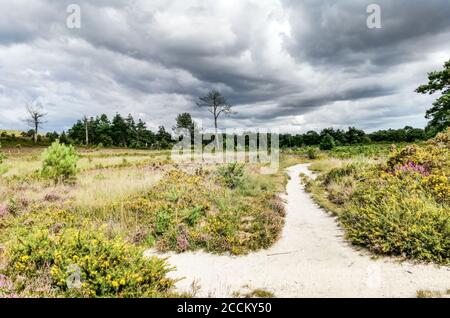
x: 96, y: 190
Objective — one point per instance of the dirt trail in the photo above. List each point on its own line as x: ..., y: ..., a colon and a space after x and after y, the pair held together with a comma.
x: 311, y: 259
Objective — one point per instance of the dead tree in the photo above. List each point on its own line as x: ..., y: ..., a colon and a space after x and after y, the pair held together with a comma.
x: 35, y: 118
x: 217, y: 105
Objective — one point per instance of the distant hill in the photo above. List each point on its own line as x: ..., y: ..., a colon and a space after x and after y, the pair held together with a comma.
x: 10, y: 132
x: 13, y: 139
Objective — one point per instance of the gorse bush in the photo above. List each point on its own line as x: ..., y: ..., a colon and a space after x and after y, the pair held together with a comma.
x: 401, y: 207
x: 188, y: 212
x: 78, y: 263
x: 59, y: 162
x: 232, y: 174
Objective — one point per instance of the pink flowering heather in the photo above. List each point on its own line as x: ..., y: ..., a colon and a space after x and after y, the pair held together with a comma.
x: 5, y: 283
x: 411, y: 166
x: 3, y: 210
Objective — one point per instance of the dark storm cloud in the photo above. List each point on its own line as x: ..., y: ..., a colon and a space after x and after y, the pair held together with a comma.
x: 337, y: 33
x: 288, y: 64
x: 297, y: 105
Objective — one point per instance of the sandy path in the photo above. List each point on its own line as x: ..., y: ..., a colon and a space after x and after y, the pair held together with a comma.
x: 310, y: 260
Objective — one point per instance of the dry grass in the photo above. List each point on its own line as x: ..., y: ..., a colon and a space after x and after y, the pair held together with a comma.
x: 30, y: 161
x: 98, y: 189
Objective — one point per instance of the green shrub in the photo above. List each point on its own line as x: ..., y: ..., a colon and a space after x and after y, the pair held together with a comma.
x: 401, y: 207
x: 191, y: 212
x: 370, y: 151
x: 312, y: 153
x: 3, y: 168
x: 193, y: 215
x: 85, y: 264
x: 232, y: 174
x: 163, y: 220
x: 59, y: 162
x: 327, y: 143
x: 2, y: 155
x: 392, y: 218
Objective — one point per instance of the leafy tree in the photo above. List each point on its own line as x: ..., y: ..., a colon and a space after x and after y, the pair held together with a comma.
x: 130, y: 130
x: 185, y: 121
x: 63, y: 138
x: 407, y: 134
x: 164, y: 139
x: 354, y: 136
x: 327, y: 142
x: 77, y: 132
x: 337, y: 134
x: 102, y: 131
x: 52, y: 136
x: 119, y: 130
x: 59, y: 162
x: 311, y: 138
x: 440, y: 112
x: 144, y: 138
x: 414, y: 134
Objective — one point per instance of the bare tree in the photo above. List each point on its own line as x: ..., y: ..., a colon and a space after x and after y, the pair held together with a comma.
x: 86, y: 129
x: 35, y: 118
x: 217, y: 105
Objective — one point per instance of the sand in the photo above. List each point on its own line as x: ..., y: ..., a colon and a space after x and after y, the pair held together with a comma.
x: 311, y: 259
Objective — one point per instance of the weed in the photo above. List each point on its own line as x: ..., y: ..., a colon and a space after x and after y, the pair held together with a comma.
x: 232, y: 174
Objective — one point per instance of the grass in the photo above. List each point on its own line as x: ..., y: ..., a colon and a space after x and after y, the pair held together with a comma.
x: 95, y: 190
x: 432, y: 294
x: 254, y: 293
x: 19, y: 165
x: 132, y: 198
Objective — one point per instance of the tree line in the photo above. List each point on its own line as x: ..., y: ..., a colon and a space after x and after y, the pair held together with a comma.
x: 119, y: 132
x: 127, y: 132
x: 328, y: 138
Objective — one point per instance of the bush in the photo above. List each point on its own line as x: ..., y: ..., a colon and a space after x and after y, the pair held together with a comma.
x: 395, y: 216
x: 401, y: 207
x: 312, y: 153
x: 78, y: 263
x: 191, y: 212
x: 59, y: 162
x: 327, y: 143
x: 3, y: 168
x: 2, y: 155
x: 232, y: 174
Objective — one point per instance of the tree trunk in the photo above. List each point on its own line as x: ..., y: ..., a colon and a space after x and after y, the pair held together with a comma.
x: 216, y: 136
x: 87, y: 133
x: 35, y: 131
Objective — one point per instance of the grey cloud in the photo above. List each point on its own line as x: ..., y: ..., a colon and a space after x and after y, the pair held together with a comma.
x: 337, y: 31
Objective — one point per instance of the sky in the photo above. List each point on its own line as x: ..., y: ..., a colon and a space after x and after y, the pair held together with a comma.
x: 290, y: 65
